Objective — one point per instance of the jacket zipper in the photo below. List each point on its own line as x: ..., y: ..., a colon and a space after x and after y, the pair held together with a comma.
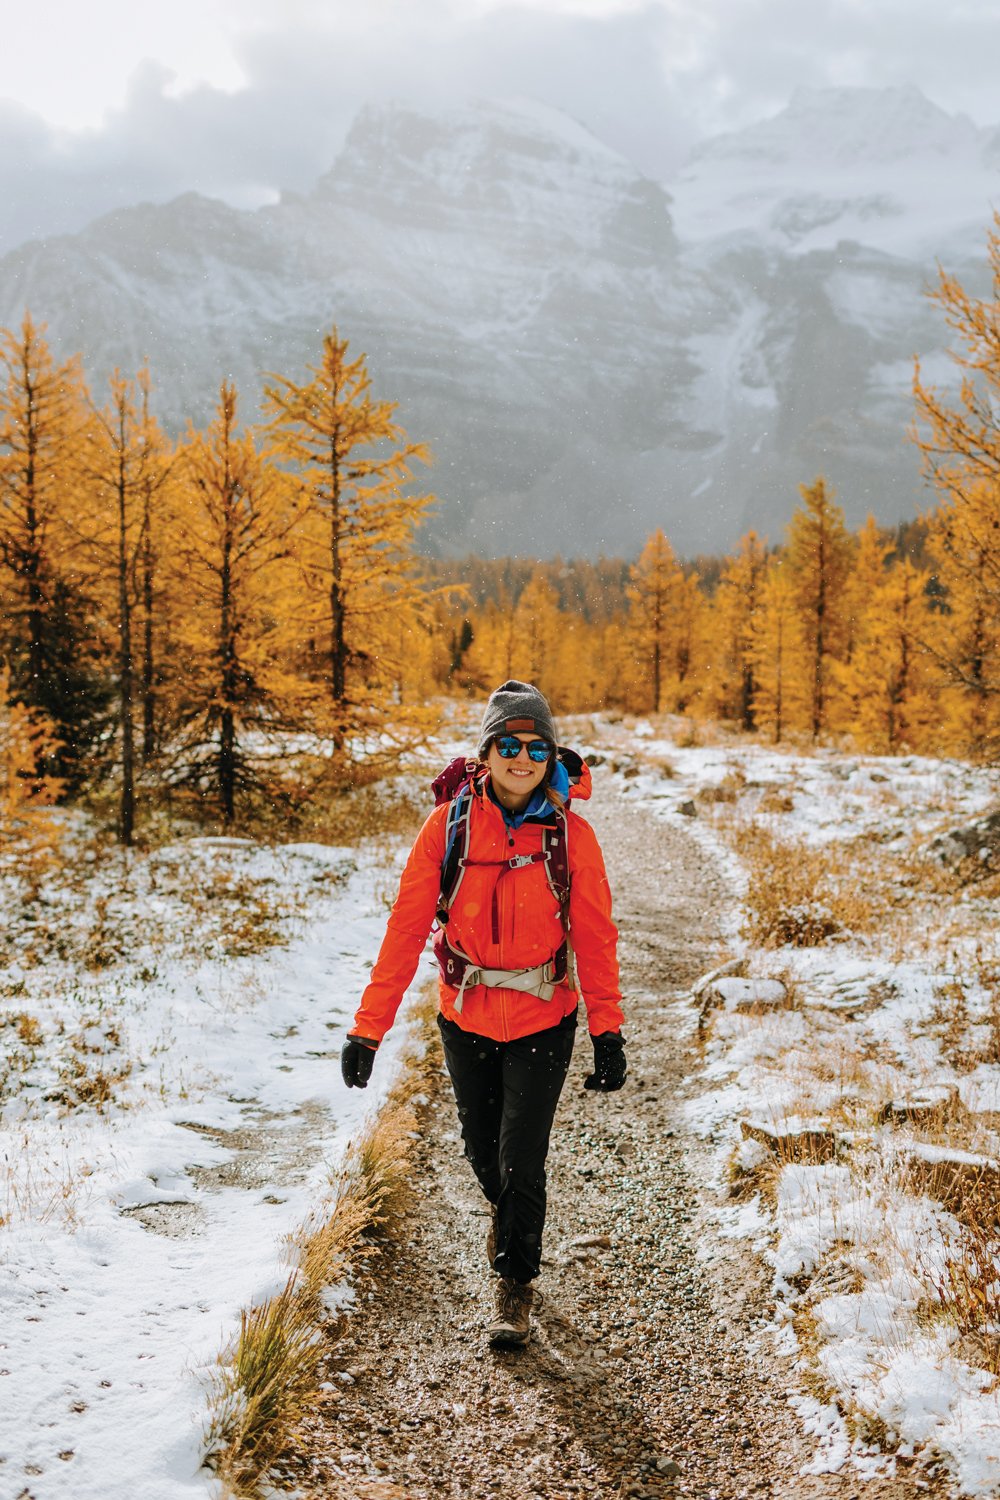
x: 500, y: 909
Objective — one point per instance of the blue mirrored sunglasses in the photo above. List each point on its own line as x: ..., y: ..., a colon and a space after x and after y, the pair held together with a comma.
x: 510, y: 747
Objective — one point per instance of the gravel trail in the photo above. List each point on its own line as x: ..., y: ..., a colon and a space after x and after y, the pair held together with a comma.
x: 650, y: 1373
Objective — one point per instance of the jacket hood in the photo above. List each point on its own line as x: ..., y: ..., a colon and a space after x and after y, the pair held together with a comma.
x: 577, y: 773
x: 571, y: 778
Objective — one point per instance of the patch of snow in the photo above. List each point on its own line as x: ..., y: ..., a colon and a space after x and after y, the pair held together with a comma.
x: 131, y: 1243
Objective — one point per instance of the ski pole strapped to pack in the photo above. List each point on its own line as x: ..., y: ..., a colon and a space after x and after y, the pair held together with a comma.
x: 457, y: 785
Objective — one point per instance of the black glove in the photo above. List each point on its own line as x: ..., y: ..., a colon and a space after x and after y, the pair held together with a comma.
x: 609, y: 1062
x: 356, y: 1058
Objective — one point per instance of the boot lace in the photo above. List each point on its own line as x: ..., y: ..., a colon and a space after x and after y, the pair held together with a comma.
x: 515, y: 1301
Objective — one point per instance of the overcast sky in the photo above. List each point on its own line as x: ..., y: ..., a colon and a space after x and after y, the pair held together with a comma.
x: 111, y: 102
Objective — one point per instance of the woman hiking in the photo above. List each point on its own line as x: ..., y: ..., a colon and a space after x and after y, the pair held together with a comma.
x: 516, y: 881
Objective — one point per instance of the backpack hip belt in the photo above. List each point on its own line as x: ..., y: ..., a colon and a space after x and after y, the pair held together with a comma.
x: 540, y: 981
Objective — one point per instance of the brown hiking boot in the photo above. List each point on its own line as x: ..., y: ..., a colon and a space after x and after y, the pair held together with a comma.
x: 511, y: 1324
x: 491, y: 1236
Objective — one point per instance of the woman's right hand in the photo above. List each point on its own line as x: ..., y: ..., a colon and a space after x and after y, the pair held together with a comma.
x: 357, y: 1057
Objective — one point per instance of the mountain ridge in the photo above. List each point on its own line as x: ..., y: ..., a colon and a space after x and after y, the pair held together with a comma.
x: 589, y: 353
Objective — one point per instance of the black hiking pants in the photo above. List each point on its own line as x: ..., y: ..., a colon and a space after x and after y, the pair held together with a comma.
x: 507, y: 1094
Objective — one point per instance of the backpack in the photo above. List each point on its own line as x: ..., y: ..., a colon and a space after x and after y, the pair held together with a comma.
x: 456, y: 785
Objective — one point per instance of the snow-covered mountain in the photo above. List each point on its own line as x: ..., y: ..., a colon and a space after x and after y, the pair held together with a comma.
x: 884, y: 168
x: 587, y: 358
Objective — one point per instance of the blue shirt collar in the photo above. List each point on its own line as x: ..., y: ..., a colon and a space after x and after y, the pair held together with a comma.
x: 539, y: 807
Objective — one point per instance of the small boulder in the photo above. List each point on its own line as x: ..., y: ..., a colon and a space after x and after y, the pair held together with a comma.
x: 978, y: 842
x: 732, y: 966
x: 751, y: 994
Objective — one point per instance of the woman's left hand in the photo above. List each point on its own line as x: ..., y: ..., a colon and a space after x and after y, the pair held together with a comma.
x: 610, y: 1068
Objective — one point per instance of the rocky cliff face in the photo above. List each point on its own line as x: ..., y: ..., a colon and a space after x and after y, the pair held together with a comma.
x: 587, y: 355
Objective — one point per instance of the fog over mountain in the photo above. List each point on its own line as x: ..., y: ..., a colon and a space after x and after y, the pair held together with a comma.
x: 589, y: 353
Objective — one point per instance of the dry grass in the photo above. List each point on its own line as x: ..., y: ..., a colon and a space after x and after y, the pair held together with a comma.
x: 774, y: 800
x: 271, y: 1375
x: 352, y: 815
x: 891, y: 894
x: 727, y: 790
x: 966, y: 1020
x: 800, y: 896
x: 40, y: 1183
x: 967, y: 1284
x: 751, y: 1172
x: 270, y: 1379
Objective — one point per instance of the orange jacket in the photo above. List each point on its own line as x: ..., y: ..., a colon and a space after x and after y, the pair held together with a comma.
x: 519, y: 907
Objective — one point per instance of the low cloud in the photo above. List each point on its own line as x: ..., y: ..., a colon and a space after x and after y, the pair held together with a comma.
x: 650, y: 79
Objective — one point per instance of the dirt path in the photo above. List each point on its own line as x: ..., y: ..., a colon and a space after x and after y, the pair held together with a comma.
x: 651, y: 1374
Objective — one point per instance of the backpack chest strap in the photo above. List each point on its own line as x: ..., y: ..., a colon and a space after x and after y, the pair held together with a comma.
x: 516, y: 862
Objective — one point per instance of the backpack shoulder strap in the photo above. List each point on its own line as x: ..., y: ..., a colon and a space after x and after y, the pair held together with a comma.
x: 555, y: 842
x: 456, y: 849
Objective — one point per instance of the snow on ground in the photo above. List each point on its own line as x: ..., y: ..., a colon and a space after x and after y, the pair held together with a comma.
x: 131, y: 1236
x: 868, y: 1270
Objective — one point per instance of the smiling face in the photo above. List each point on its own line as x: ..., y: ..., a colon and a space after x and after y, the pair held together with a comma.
x: 515, y: 780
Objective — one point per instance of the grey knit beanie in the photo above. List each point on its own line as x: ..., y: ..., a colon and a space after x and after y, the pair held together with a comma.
x: 516, y: 708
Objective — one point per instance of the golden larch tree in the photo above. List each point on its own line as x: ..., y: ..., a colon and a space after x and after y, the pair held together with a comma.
x: 959, y: 441
x: 46, y: 636
x: 964, y: 636
x: 779, y: 656
x: 888, y: 681
x: 866, y: 577
x: 28, y: 831
x: 352, y: 463
x: 657, y: 597
x: 736, y: 606
x: 819, y: 554
x: 538, y: 636
x: 236, y: 517
x: 122, y: 461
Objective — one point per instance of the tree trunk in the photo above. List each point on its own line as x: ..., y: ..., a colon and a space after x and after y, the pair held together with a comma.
x: 338, y: 644
x: 747, y: 686
x: 126, y: 817
x: 31, y: 560
x: 227, y: 661
x: 227, y: 764
x: 148, y: 667
x: 819, y: 664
